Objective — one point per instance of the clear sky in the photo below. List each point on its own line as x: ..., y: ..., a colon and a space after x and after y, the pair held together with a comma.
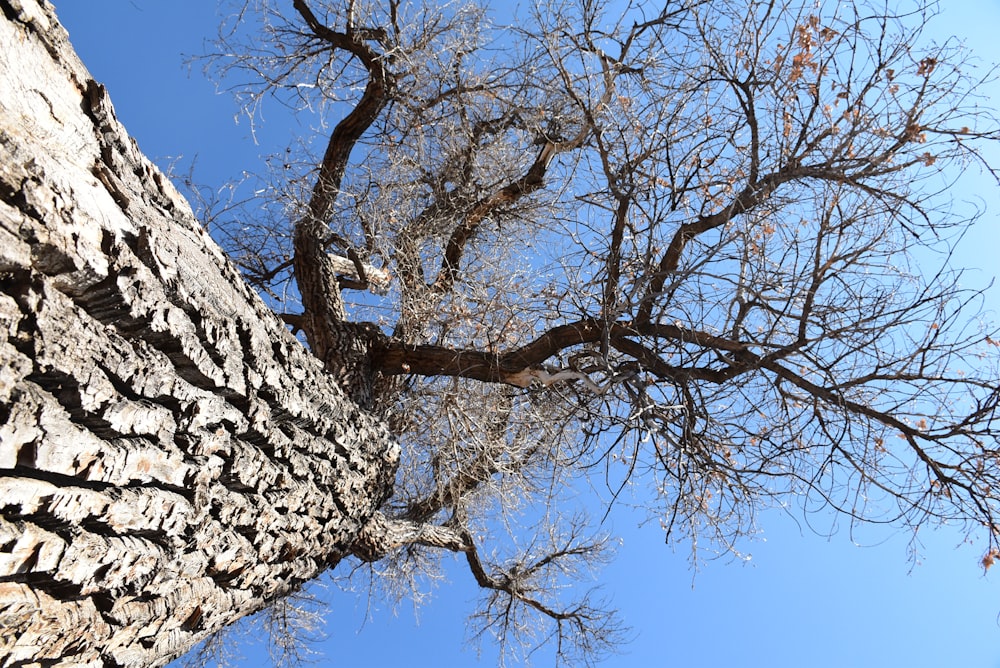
x: 803, y: 599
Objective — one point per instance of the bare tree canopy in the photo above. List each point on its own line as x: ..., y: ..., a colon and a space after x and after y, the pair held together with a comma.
x: 699, y: 248
x: 691, y: 254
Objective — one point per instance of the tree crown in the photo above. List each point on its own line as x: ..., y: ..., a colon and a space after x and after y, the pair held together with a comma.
x: 696, y: 250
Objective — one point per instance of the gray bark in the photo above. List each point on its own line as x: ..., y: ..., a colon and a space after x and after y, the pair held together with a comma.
x: 171, y: 458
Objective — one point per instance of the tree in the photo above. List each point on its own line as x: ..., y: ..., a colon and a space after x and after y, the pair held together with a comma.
x: 677, y: 249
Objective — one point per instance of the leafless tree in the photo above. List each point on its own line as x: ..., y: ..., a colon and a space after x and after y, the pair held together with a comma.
x: 698, y: 247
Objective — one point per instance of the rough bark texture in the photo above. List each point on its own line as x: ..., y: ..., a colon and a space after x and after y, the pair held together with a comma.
x: 171, y: 458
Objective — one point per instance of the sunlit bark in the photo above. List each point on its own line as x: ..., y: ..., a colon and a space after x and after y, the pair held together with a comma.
x: 171, y: 458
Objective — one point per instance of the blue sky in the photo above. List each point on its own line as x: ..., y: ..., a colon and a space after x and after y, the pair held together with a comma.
x: 802, y: 599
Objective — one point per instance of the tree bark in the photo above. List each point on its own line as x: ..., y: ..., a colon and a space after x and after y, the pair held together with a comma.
x: 171, y: 458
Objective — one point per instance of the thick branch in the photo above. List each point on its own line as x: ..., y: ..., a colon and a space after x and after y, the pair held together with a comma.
x: 346, y: 134
x: 429, y: 360
x: 344, y: 354
x: 382, y: 534
x: 532, y: 180
x: 521, y: 366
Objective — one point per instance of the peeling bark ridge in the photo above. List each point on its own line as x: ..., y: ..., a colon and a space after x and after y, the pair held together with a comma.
x: 171, y: 458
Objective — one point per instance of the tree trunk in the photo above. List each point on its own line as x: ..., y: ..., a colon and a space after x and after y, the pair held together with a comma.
x: 171, y: 458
